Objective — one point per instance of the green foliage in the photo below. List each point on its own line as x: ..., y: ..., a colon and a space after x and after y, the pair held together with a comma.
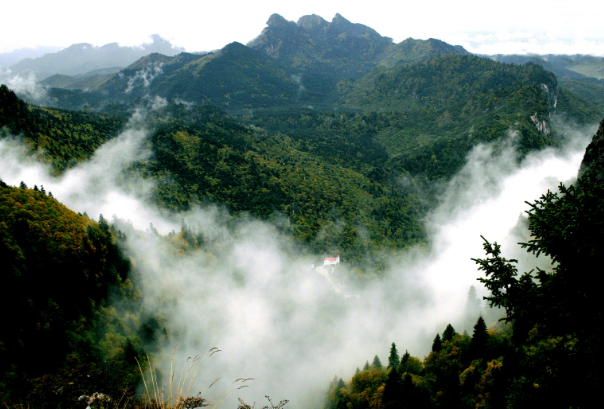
x: 235, y: 77
x: 448, y: 333
x: 582, y: 102
x: 393, y: 358
x: 64, y: 137
x: 59, y: 269
x: 552, y: 332
x: 436, y: 344
x: 479, y: 340
x: 438, y: 82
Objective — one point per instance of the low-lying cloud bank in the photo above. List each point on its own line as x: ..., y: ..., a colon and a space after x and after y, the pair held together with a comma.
x: 252, y: 293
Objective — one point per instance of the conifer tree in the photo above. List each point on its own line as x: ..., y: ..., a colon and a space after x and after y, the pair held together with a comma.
x: 366, y: 367
x: 376, y: 363
x: 22, y: 185
x: 436, y: 344
x: 393, y: 359
x: 340, y: 401
x: 449, y: 333
x: 103, y: 224
x: 402, y: 368
x: 479, y: 339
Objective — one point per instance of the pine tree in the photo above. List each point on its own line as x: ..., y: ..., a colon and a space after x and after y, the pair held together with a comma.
x: 376, y: 363
x: 366, y: 367
x: 42, y: 189
x: 437, y: 344
x: 402, y: 368
x: 479, y: 339
x: 393, y: 359
x: 103, y: 224
x: 357, y: 371
x: 22, y: 185
x: 449, y: 333
x: 340, y: 402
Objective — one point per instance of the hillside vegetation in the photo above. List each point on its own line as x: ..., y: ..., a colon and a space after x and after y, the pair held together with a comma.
x: 59, y: 271
x: 539, y: 357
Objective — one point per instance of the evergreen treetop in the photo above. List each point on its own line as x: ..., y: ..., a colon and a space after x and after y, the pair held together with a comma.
x: 393, y: 359
x: 376, y: 363
x: 436, y: 344
x: 449, y: 333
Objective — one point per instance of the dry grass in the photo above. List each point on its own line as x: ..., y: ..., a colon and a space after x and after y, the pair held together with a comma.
x: 178, y: 394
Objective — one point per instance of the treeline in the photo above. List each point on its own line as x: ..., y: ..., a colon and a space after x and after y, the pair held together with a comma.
x: 460, y: 371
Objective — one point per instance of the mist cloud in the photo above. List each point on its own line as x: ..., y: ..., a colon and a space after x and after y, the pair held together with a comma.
x: 251, y: 292
x: 144, y: 76
x: 25, y: 86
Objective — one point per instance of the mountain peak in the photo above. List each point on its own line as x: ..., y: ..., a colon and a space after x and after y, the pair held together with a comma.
x: 338, y: 20
x: 312, y: 22
x: 276, y: 20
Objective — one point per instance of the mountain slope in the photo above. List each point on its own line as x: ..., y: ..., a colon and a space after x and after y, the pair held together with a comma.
x: 411, y: 50
x: 64, y: 137
x: 234, y: 77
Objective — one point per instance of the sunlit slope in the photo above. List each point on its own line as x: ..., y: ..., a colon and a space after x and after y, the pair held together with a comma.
x: 214, y: 159
x: 234, y: 77
x: 62, y: 137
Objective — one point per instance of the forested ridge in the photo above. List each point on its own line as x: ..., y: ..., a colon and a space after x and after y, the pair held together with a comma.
x: 65, y: 138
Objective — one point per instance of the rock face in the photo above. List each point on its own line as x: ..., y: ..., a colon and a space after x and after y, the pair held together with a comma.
x: 592, y: 166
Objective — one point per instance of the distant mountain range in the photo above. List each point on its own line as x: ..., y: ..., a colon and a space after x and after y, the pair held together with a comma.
x: 13, y: 57
x: 83, y: 58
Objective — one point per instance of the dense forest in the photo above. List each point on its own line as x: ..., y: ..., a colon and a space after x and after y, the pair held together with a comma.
x: 60, y: 270
x: 342, y: 141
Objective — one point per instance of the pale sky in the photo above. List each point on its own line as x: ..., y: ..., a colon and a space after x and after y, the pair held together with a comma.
x: 513, y: 26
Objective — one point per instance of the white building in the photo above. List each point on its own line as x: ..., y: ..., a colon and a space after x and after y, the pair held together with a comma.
x: 331, y: 261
